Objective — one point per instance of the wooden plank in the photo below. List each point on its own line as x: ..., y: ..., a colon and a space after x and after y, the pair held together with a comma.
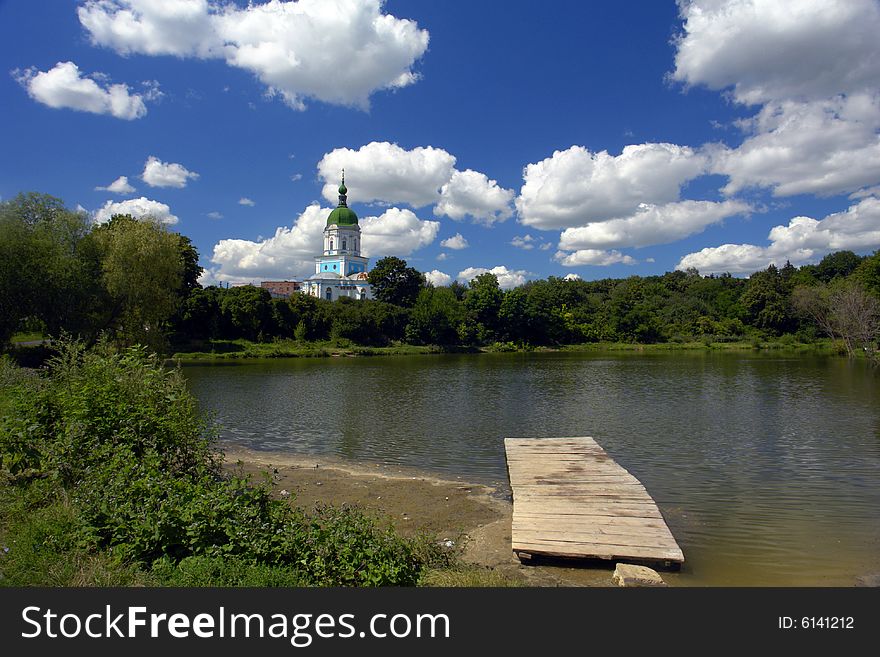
x: 571, y: 499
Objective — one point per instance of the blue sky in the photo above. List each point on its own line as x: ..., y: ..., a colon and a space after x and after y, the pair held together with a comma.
x: 530, y: 139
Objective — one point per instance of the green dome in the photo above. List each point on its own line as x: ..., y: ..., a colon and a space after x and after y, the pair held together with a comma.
x: 342, y: 216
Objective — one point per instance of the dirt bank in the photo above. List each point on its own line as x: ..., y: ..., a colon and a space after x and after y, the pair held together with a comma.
x: 477, y: 516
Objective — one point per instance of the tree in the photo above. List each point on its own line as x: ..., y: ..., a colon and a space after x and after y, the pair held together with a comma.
x: 766, y: 301
x: 142, y: 271
x: 394, y: 282
x: 434, y: 318
x: 839, y: 264
x: 45, y: 274
x: 868, y: 274
x: 843, y: 310
x: 482, y: 303
x: 247, y: 312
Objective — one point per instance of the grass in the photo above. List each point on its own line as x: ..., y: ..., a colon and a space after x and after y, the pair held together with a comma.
x: 31, y: 336
x: 823, y: 346
x: 236, y: 349
x: 469, y: 577
x: 218, y: 350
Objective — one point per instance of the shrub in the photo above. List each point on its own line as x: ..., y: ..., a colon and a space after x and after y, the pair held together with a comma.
x: 119, y: 439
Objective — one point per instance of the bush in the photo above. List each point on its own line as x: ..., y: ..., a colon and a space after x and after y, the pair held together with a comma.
x: 119, y: 439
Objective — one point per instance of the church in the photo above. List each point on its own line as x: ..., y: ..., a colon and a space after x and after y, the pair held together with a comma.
x: 341, y: 270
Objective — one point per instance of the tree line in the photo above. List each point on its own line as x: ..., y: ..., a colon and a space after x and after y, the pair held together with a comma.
x: 137, y: 282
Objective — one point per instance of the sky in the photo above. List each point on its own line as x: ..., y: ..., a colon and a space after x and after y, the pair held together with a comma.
x: 560, y: 138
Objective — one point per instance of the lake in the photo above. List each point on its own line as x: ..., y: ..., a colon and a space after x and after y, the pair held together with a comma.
x: 765, y: 466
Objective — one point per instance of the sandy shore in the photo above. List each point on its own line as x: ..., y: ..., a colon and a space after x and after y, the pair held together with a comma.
x: 473, y: 515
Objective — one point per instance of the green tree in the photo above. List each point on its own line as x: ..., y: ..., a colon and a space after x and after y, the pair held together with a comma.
x: 46, y: 274
x: 142, y: 271
x: 868, y: 274
x: 247, y: 312
x: 839, y: 264
x: 199, y: 315
x: 482, y: 302
x: 394, y: 282
x: 766, y: 302
x: 435, y: 317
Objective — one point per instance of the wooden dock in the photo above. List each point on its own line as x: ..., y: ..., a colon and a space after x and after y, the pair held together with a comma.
x: 571, y: 500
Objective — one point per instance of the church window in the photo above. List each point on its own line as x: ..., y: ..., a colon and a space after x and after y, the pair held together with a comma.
x: 331, y: 243
x: 329, y: 294
x: 343, y: 244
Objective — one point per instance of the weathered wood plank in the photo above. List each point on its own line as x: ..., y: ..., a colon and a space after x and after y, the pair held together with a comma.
x: 571, y: 499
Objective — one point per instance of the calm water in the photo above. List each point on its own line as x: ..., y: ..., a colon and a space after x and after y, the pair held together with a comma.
x: 767, y: 468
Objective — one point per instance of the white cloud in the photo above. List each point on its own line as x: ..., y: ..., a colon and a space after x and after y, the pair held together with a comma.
x: 118, y: 186
x: 291, y: 251
x: 296, y: 177
x: 472, y: 193
x: 288, y: 253
x: 455, y: 242
x: 382, y: 171
x: 442, y: 256
x: 65, y: 87
x: 575, y: 186
x: 244, y: 200
x: 571, y: 277
x: 166, y: 174
x: 595, y: 257
x: 525, y: 242
x: 651, y: 224
x: 215, y: 215
x: 338, y: 52
x: 803, y: 240
x: 437, y: 278
x: 771, y: 49
x: 507, y: 278
x: 819, y: 147
x: 139, y: 208
x: 385, y: 173
x: 396, y: 232
x: 814, y: 67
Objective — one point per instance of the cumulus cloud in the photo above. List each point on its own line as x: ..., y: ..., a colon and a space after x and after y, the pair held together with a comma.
x: 651, y: 224
x: 525, y: 242
x: 382, y: 171
x: 571, y: 277
x: 770, y: 49
x: 215, y: 215
x: 166, y: 174
x: 139, y: 208
x: 442, y: 256
x: 118, y: 186
x: 455, y: 242
x: 291, y: 251
x: 595, y: 257
x: 244, y: 200
x: 813, y: 67
x: 575, y: 186
x: 472, y: 193
x: 820, y: 147
x: 396, y: 232
x: 507, y: 278
x: 65, y: 87
x: 339, y: 52
x: 803, y: 240
x: 438, y: 278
